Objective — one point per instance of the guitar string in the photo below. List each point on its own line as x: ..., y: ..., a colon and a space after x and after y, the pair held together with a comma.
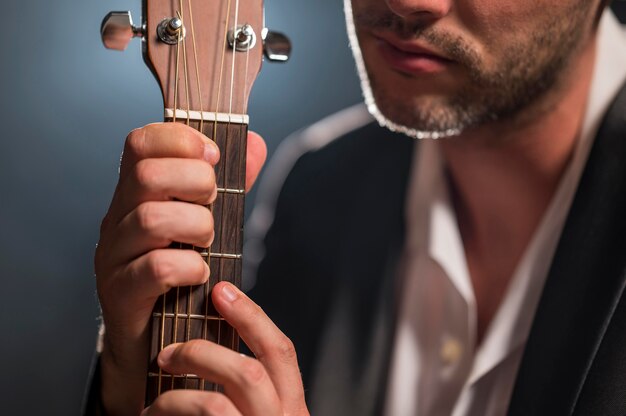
x: 186, y: 72
x: 241, y: 199
x: 164, y: 297
x: 232, y: 71
x: 195, y: 56
x: 160, y: 381
x: 226, y: 147
x: 181, y: 15
x: 176, y: 78
x: 223, y: 196
x: 241, y: 130
x: 200, y: 99
x: 219, y: 85
x: 201, y: 129
x: 181, y: 41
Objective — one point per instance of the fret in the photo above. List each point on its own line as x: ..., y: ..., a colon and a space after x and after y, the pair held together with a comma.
x: 231, y: 191
x: 165, y: 375
x: 187, y: 316
x: 220, y: 255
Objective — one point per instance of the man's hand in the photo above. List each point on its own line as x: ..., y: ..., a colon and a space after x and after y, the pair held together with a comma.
x: 268, y: 386
x: 166, y: 175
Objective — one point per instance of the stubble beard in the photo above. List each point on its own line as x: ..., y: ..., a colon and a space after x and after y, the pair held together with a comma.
x: 524, y: 74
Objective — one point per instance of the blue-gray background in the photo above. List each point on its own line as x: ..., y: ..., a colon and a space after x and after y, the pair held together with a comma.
x: 67, y: 105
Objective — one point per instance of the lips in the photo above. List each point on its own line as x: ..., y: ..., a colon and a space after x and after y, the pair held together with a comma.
x: 410, y: 57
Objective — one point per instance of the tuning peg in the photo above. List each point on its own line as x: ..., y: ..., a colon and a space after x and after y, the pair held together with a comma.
x: 117, y: 30
x: 276, y: 46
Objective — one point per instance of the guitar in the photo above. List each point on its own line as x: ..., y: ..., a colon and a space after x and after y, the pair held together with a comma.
x: 205, y: 56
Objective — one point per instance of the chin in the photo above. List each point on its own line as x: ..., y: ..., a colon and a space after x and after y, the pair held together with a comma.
x: 391, y: 112
x: 420, y: 118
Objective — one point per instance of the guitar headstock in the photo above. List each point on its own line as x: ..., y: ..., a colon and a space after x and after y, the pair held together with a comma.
x: 204, y: 55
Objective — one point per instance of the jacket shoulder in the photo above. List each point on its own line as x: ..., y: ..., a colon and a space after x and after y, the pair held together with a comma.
x: 320, y: 170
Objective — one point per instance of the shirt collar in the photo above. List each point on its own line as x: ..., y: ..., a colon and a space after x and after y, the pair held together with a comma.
x: 433, y: 228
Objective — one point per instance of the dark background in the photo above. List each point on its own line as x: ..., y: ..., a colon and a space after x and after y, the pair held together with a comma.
x: 67, y: 105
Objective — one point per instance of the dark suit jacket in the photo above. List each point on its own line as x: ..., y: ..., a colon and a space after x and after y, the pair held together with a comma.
x: 330, y: 275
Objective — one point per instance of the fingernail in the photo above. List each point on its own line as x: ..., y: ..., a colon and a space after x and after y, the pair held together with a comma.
x: 211, y: 154
x: 229, y: 293
x: 166, y: 354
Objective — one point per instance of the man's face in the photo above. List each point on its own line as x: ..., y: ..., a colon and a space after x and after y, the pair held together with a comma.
x: 438, y: 67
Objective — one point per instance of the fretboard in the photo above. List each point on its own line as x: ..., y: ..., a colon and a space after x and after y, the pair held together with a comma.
x: 187, y: 313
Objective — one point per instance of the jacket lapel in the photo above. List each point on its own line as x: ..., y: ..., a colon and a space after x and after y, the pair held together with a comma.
x: 585, y: 282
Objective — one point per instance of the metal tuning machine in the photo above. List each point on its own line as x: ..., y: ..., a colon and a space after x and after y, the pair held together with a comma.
x: 171, y: 31
x: 276, y: 46
x: 117, y: 30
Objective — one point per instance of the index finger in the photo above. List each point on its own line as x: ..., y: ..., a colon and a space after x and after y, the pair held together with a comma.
x: 167, y: 140
x: 268, y: 343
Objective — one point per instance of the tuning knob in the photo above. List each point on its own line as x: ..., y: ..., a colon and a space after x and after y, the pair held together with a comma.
x: 117, y: 30
x: 276, y: 46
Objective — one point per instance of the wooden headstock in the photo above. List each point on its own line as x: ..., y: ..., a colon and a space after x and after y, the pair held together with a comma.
x: 203, y: 70
x: 211, y: 63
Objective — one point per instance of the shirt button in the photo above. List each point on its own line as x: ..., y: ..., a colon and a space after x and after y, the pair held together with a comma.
x: 450, y: 352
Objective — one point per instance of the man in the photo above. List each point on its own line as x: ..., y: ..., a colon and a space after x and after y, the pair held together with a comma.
x: 459, y: 276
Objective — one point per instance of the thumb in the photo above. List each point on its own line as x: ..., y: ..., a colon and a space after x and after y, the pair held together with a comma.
x: 256, y: 155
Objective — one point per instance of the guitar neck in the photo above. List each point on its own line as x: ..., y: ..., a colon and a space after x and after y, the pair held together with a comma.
x: 187, y: 313
x: 205, y: 56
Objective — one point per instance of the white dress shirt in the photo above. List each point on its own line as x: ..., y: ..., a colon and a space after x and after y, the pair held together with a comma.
x: 436, y: 368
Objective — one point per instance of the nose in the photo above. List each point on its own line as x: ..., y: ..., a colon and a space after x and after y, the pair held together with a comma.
x: 425, y: 9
